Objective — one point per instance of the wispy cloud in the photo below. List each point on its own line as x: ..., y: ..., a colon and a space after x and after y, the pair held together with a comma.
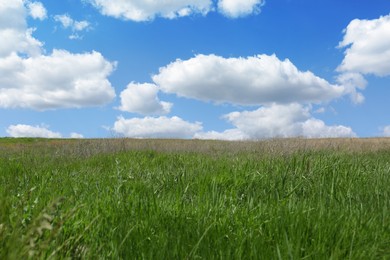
x: 75, y: 26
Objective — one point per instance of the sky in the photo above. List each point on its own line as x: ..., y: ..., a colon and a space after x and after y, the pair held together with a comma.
x: 194, y: 69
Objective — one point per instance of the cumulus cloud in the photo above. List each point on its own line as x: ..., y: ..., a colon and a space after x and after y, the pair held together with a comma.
x: 21, y: 130
x: 315, y: 128
x: 156, y: 127
x: 272, y: 121
x: 292, y: 120
x: 141, y: 10
x: 30, y: 79
x: 253, y: 80
x: 142, y: 99
x: 283, y: 92
x: 235, y: 8
x: 61, y: 80
x: 367, y: 44
x: 37, y: 10
x: 76, y: 26
x: 14, y: 34
x: 20, y: 42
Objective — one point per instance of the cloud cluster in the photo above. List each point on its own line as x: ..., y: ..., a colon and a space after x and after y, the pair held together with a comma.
x: 21, y: 130
x: 283, y: 93
x: 76, y: 26
x: 147, y: 10
x: 367, y: 44
x: 292, y: 120
x: 275, y: 120
x: 31, y: 79
x: 142, y: 99
x: 254, y: 80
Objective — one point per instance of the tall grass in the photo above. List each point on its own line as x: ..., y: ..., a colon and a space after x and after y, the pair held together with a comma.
x: 175, y: 199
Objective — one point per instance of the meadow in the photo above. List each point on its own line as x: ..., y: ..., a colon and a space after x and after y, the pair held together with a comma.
x: 193, y: 199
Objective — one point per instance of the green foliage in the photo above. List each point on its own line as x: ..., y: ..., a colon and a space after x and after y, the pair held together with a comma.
x: 114, y: 199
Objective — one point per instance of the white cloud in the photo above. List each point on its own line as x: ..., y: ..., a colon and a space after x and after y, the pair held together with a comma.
x: 367, y: 45
x: 37, y: 10
x: 320, y: 110
x: 238, y: 8
x: 386, y: 131
x: 31, y: 131
x: 352, y: 82
x: 228, y: 135
x: 156, y: 127
x: 64, y: 19
x: 68, y: 22
x: 30, y: 79
x: 147, y: 10
x: 142, y: 10
x: 272, y: 121
x: 20, y: 42
x: 76, y: 26
x: 12, y: 14
x: 61, y: 80
x: 76, y: 136
x: 142, y: 99
x: 14, y: 34
x: 315, y: 128
x: 81, y: 25
x: 253, y: 80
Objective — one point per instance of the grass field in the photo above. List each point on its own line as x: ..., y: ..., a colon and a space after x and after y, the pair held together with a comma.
x: 192, y: 199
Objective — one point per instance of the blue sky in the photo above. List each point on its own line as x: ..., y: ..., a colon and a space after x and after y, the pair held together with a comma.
x: 208, y: 69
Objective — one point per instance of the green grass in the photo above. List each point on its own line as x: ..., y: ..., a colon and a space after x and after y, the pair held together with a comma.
x: 175, y: 199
